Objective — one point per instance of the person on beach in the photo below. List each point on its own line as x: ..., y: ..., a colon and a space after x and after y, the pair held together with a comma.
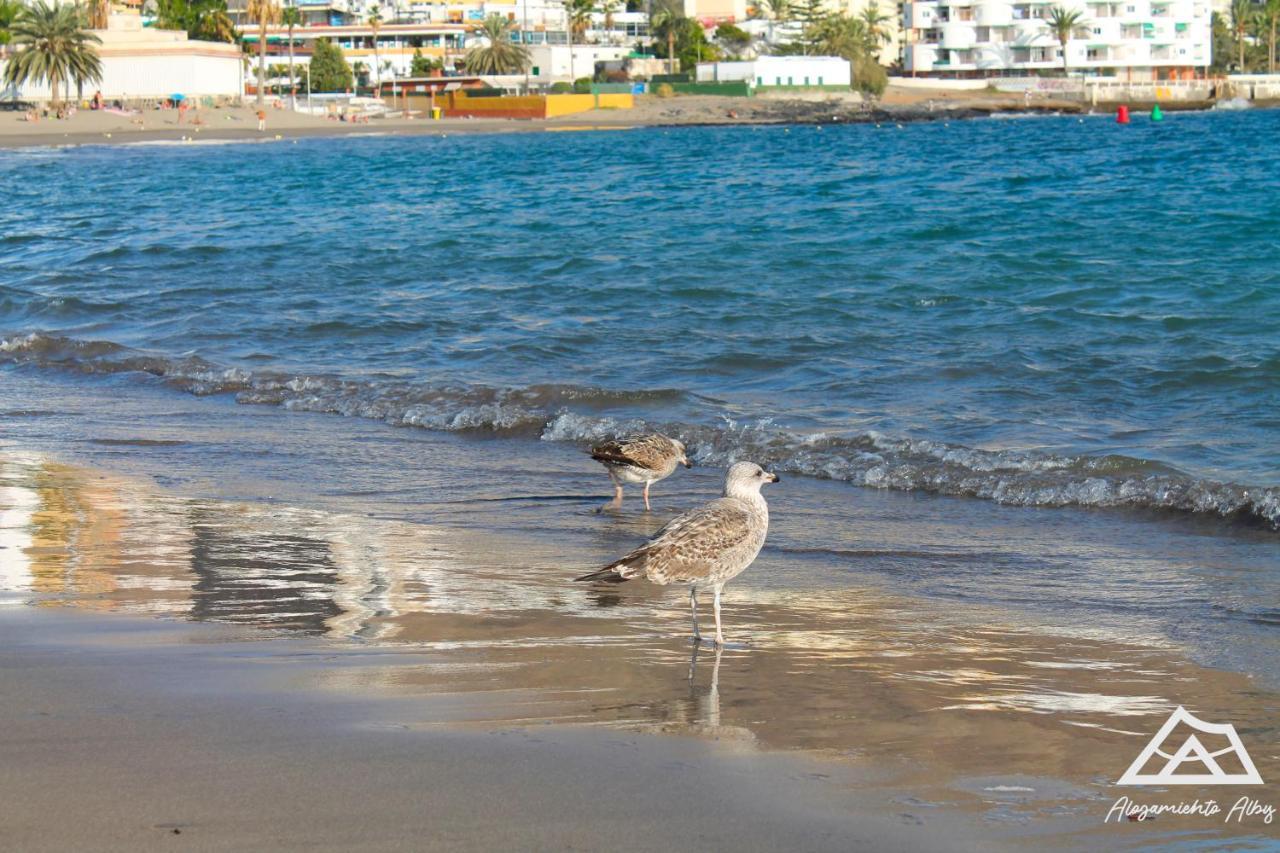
x: 182, y: 110
x: 262, y: 120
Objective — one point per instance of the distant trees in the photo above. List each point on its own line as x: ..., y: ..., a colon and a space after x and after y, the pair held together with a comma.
x: 374, y: 20
x: 663, y: 24
x: 685, y: 39
x: 422, y: 66
x: 498, y: 54
x: 291, y: 17
x: 52, y: 43
x: 1266, y: 25
x: 206, y: 20
x: 9, y: 10
x: 733, y: 39
x: 328, y: 69
x: 1062, y: 24
x: 1245, y: 39
x: 840, y: 34
x: 263, y: 13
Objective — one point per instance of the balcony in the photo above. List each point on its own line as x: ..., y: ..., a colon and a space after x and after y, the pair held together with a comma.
x: 994, y: 14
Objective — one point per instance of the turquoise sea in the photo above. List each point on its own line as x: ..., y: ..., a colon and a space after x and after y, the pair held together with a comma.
x: 1052, y: 315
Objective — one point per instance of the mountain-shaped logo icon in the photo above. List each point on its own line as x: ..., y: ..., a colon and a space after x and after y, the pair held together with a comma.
x: 1192, y: 751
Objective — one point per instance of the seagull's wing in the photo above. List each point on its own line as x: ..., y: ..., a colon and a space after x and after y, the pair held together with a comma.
x: 692, y: 545
x: 651, y: 451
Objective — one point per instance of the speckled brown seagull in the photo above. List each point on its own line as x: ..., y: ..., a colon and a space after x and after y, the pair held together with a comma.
x: 639, y: 459
x: 708, y: 546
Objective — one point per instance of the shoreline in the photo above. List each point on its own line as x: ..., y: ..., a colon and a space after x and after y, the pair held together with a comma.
x: 921, y: 723
x: 594, y: 121
x: 682, y: 111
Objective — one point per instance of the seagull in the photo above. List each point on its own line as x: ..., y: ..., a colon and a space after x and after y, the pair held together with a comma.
x: 710, y: 545
x: 639, y: 459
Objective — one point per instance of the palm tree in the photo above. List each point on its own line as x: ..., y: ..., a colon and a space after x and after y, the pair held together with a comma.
x: 1268, y: 22
x: 874, y: 20
x: 52, y: 43
x: 577, y: 15
x: 263, y: 12
x: 499, y: 54
x: 1063, y: 24
x: 665, y: 21
x: 1241, y: 10
x: 99, y: 11
x: 375, y: 23
x: 609, y: 8
x: 291, y: 17
x: 9, y: 10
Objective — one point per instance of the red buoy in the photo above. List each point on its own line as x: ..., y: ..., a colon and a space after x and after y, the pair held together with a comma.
x: 1122, y: 114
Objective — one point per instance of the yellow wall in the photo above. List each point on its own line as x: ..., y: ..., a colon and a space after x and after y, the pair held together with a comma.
x: 540, y: 106
x: 563, y: 105
x: 502, y: 104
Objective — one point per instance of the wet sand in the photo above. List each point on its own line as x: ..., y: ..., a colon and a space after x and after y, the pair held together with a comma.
x: 379, y: 665
x: 120, y: 734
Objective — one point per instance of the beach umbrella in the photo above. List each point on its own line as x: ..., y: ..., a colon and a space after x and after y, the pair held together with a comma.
x: 178, y: 96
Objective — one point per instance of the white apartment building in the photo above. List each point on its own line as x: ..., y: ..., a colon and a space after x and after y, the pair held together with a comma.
x: 1134, y: 39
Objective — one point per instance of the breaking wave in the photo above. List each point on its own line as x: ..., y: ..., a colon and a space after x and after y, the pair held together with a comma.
x: 580, y: 414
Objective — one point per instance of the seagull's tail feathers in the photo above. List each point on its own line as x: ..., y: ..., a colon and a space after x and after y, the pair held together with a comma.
x: 628, y: 567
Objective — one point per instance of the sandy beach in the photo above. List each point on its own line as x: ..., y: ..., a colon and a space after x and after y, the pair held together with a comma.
x: 416, y: 703
x: 240, y: 123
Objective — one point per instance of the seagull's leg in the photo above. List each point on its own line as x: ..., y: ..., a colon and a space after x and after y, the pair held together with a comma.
x: 646, y: 494
x: 719, y: 634
x: 616, y: 503
x: 693, y: 611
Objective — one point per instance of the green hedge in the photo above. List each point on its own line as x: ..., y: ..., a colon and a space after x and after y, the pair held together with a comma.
x: 736, y: 89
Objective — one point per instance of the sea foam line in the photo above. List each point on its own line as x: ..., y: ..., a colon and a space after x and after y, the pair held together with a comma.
x: 554, y: 413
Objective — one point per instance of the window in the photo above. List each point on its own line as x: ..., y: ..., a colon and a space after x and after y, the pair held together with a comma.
x: 759, y: 81
x: 819, y: 81
x: 1097, y: 31
x: 806, y: 79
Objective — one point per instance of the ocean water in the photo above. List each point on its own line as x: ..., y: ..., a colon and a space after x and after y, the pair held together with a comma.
x: 1021, y: 379
x: 1032, y: 364
x: 1040, y: 312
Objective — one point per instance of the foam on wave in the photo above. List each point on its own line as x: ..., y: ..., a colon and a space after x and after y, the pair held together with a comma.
x: 564, y: 413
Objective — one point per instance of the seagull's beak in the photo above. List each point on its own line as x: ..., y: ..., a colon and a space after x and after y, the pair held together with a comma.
x: 684, y: 460
x: 773, y: 478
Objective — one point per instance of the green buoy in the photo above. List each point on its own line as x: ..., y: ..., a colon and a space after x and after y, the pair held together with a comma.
x: 1156, y: 115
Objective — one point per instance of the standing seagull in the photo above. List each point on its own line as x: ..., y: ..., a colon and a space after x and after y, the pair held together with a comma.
x: 710, y: 545
x: 639, y: 459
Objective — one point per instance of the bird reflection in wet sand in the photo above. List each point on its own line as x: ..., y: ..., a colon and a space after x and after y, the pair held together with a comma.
x: 713, y: 694
x: 710, y: 545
